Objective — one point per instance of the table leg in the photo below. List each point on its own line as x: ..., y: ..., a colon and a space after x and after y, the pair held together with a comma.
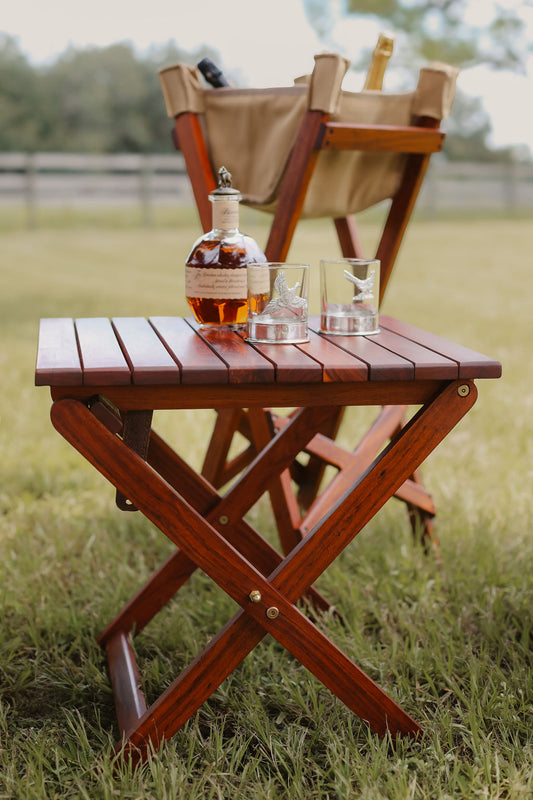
x: 232, y: 644
x: 169, y: 578
x: 237, y: 576
x: 400, y: 459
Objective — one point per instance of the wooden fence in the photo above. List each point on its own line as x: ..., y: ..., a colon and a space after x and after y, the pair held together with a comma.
x: 84, y: 180
x: 81, y: 180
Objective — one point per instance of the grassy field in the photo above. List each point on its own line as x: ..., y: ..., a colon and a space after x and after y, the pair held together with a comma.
x: 453, y: 645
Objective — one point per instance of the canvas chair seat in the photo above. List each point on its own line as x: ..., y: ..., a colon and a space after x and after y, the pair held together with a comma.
x: 253, y: 131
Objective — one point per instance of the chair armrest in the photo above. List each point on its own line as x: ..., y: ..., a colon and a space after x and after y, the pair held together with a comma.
x: 379, y: 138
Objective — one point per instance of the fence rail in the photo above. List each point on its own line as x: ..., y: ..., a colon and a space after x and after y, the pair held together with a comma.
x: 77, y: 180
x: 84, y: 180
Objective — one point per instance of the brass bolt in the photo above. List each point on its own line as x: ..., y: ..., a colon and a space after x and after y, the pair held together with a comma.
x: 272, y: 612
x: 223, y: 519
x: 255, y: 596
x: 463, y: 390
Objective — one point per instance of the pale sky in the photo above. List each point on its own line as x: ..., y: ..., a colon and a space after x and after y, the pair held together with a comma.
x: 262, y: 42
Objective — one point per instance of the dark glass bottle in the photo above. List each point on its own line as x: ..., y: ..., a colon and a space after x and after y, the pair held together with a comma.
x: 215, y: 269
x: 212, y: 73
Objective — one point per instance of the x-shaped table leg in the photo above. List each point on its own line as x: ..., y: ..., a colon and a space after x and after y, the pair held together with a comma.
x: 276, y: 612
x: 224, y: 513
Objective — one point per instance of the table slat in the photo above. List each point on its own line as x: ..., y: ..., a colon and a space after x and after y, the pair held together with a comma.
x: 102, y: 358
x: 245, y: 364
x: 427, y: 363
x: 58, y: 360
x: 337, y: 364
x: 150, y: 361
x: 197, y: 361
x: 471, y: 364
x: 383, y: 365
x: 292, y: 365
x: 98, y: 352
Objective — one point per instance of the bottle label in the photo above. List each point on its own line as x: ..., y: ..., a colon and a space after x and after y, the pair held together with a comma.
x: 216, y: 284
x: 226, y: 215
x: 259, y: 279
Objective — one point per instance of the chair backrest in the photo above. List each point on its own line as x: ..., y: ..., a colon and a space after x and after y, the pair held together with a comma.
x: 312, y: 150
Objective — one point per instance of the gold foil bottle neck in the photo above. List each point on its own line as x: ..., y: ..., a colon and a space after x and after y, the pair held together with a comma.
x: 380, y: 57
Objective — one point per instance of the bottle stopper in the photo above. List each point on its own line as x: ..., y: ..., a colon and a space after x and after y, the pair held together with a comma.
x: 224, y: 184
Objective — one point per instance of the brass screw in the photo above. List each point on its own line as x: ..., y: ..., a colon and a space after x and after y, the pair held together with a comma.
x: 464, y: 390
x: 223, y: 519
x: 272, y: 612
x: 255, y: 596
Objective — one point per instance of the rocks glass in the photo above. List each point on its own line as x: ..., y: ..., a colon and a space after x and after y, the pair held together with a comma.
x: 278, y: 303
x: 349, y: 292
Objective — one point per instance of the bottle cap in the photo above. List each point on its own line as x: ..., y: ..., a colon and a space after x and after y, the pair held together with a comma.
x: 225, y: 188
x: 385, y: 44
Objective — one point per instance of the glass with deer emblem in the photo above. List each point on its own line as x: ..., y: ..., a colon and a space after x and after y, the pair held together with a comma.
x: 349, y: 296
x: 278, y: 303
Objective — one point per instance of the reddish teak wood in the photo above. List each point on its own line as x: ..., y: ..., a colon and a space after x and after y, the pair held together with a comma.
x: 381, y: 138
x: 209, y: 530
x: 294, y: 187
x: 188, y: 137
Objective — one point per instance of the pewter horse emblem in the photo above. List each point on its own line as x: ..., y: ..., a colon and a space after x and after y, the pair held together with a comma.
x: 365, y: 286
x: 288, y: 299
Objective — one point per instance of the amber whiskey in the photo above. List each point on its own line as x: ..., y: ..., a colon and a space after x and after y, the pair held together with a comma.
x: 215, y: 269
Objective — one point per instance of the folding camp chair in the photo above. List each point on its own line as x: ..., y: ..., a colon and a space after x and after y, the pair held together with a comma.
x: 312, y: 150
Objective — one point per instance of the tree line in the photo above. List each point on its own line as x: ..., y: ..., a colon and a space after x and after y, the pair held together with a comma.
x: 465, y: 33
x: 109, y: 100
x: 94, y: 100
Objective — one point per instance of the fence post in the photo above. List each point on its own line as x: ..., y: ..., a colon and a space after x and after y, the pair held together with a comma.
x: 509, y: 186
x: 145, y: 190
x: 31, y: 190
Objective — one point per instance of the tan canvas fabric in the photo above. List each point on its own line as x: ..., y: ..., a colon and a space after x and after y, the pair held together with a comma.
x: 183, y: 89
x: 326, y: 81
x: 350, y: 181
x: 252, y: 132
x: 435, y: 91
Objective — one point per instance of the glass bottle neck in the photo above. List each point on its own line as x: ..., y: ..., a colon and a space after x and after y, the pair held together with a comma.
x: 225, y: 213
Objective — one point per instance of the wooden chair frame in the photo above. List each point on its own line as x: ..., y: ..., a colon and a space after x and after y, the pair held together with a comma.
x: 317, y: 133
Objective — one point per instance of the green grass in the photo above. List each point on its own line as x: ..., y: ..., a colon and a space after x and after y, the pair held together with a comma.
x: 452, y: 645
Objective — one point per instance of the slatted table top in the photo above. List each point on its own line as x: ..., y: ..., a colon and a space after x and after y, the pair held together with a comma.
x: 134, y: 351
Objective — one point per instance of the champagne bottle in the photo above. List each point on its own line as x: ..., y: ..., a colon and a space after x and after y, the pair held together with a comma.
x: 380, y: 57
x: 212, y: 73
x: 216, y: 283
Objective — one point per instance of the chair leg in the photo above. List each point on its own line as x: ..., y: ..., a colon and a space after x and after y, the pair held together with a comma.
x: 422, y: 523
x: 217, y: 469
x: 420, y: 509
x: 310, y: 476
x: 322, y: 451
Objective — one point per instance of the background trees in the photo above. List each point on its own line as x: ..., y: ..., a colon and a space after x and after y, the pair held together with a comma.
x: 465, y: 34
x: 101, y: 100
x: 109, y: 99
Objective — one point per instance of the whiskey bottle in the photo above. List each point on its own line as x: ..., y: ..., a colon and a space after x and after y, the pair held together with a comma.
x: 215, y: 269
x: 380, y: 57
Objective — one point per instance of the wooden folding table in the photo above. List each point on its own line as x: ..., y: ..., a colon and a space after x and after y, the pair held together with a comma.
x: 107, y: 377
